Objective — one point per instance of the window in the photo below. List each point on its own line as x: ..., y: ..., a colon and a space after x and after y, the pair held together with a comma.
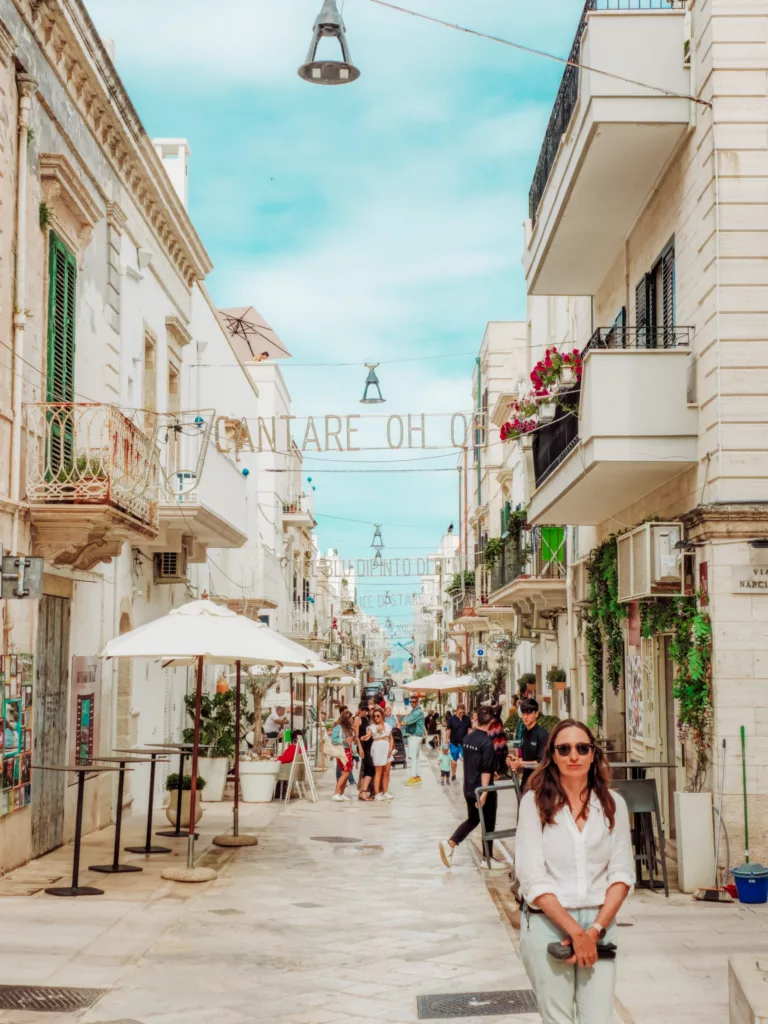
x: 655, y: 303
x: 62, y: 288
x: 60, y: 382
x: 149, y: 383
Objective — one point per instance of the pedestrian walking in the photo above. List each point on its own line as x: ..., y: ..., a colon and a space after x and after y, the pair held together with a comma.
x: 342, y: 735
x: 499, y: 739
x: 381, y: 752
x: 363, y: 740
x: 445, y: 766
x: 458, y: 727
x: 534, y: 741
x: 575, y: 866
x: 478, y: 772
x: 413, y: 725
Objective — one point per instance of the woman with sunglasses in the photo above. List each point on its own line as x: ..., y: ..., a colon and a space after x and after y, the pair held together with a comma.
x: 575, y: 867
x: 381, y: 751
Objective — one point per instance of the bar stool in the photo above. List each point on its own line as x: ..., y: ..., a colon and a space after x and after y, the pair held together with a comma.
x: 642, y: 800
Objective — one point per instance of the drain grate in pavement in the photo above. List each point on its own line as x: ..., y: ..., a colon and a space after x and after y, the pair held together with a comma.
x: 476, y: 1004
x: 334, y: 839
x: 47, y: 998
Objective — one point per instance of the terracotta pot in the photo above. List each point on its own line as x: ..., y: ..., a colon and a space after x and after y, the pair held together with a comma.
x: 560, y: 685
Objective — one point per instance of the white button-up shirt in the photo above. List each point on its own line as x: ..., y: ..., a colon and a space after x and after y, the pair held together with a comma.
x: 576, y: 867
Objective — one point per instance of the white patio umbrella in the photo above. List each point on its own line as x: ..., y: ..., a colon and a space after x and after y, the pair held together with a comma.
x: 204, y: 633
x: 319, y: 669
x: 438, y: 682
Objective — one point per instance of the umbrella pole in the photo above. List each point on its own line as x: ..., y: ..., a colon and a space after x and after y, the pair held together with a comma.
x: 317, y: 723
x: 290, y: 681
x: 193, y: 791
x: 236, y: 807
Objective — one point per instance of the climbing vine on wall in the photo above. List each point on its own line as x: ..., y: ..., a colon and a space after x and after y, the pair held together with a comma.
x: 604, y: 616
x: 691, y: 653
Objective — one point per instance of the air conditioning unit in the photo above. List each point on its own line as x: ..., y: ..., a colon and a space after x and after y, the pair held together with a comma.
x: 650, y: 565
x: 171, y: 567
x: 521, y: 627
x: 580, y: 583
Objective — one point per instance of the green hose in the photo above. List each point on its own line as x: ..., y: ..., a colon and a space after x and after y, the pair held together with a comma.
x: 744, y: 784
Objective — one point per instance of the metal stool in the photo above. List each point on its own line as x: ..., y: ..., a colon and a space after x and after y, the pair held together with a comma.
x: 642, y: 799
x: 503, y: 833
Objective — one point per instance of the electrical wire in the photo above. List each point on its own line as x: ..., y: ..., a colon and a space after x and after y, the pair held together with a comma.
x: 381, y: 362
x: 542, y: 53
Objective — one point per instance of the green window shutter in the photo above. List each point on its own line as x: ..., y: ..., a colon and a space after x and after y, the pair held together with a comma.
x: 62, y: 285
x: 553, y: 544
x: 506, y: 511
x: 643, y: 312
x: 668, y: 294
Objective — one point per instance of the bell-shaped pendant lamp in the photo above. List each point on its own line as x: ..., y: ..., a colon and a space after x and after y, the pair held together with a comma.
x: 378, y: 540
x: 329, y: 72
x: 378, y: 561
x: 372, y: 381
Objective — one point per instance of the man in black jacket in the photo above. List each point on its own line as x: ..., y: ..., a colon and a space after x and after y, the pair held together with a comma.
x: 534, y: 742
x: 478, y: 771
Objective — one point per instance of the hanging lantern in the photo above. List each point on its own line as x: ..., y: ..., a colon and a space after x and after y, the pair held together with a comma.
x: 378, y: 561
x: 329, y: 72
x: 378, y: 540
x: 372, y: 381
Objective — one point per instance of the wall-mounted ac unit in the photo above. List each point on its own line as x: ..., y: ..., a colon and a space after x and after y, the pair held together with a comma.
x: 521, y: 627
x: 649, y: 563
x: 580, y: 583
x: 171, y: 567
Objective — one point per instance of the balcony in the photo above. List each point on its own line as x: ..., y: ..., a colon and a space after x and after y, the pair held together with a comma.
x: 302, y: 620
x: 628, y: 431
x: 297, y: 512
x: 92, y: 482
x: 530, y: 574
x: 205, y: 502
x: 607, y: 141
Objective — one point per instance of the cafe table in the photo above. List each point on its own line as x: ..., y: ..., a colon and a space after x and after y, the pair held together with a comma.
x: 155, y: 757
x: 116, y: 868
x: 82, y: 770
x: 184, y: 751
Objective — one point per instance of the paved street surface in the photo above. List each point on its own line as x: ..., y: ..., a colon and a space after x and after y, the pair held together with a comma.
x: 307, y: 932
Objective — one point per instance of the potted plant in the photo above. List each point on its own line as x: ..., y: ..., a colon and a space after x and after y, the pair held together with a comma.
x: 526, y: 684
x: 217, y: 737
x: 172, y: 786
x: 556, y: 678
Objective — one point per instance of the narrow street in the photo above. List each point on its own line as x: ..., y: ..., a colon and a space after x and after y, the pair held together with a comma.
x: 303, y: 931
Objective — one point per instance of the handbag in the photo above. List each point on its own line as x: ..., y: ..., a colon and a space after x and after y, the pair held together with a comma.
x: 334, y: 750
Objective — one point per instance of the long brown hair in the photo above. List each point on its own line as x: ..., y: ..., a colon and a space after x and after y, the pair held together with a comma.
x: 345, y: 720
x: 547, y: 785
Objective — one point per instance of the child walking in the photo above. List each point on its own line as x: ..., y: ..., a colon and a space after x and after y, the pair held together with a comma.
x: 445, y: 767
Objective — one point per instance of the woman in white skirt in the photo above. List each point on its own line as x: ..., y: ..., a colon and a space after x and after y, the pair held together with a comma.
x: 381, y: 751
x: 575, y: 866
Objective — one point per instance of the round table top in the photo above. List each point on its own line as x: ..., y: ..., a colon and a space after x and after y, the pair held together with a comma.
x: 75, y: 768
x: 640, y: 764
x: 128, y: 760
x: 168, y: 746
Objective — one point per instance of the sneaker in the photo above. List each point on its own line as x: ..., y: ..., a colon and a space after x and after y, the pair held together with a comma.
x: 379, y: 797
x: 417, y: 780
x: 412, y: 781
x: 388, y: 796
x: 345, y: 798
x: 453, y: 778
x: 446, y: 853
x: 337, y: 798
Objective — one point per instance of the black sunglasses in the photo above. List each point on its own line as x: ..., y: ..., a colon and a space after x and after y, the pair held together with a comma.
x: 582, y: 749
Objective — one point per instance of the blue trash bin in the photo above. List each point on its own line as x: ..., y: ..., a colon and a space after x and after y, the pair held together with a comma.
x: 752, y: 883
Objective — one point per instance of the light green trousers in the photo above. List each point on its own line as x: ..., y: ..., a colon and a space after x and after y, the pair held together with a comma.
x: 567, y: 993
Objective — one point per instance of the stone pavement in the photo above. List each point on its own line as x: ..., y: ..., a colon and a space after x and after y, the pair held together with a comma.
x: 303, y: 932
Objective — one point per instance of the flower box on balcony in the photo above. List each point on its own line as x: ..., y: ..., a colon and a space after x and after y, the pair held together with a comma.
x: 547, y: 411
x: 526, y: 442
x: 568, y: 375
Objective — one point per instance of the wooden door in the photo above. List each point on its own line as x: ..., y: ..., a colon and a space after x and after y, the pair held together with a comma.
x: 50, y: 718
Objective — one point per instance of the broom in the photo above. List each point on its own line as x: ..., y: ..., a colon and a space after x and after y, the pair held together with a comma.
x: 716, y: 894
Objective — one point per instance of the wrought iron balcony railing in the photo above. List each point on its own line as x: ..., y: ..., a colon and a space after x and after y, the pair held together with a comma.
x: 538, y: 554
x: 91, y: 454
x: 296, y: 503
x: 639, y: 338
x: 568, y: 93
x: 462, y: 602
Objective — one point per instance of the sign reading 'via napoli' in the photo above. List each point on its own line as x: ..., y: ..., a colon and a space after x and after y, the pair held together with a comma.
x: 750, y: 579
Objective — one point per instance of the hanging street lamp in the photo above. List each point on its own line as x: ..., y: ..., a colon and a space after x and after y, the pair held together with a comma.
x: 372, y: 381
x: 378, y: 541
x: 329, y: 72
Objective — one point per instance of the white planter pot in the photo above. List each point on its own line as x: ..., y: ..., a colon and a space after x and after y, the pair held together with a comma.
x: 695, y: 840
x: 567, y: 376
x: 257, y: 781
x: 526, y: 442
x: 214, y: 771
x: 186, y: 796
x: 547, y: 411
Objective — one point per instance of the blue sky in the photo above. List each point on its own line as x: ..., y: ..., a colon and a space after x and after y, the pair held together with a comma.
x: 376, y: 221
